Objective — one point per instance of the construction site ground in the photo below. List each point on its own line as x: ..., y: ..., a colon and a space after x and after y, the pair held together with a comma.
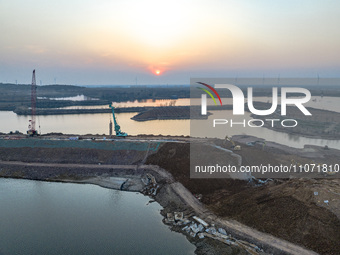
x: 287, y: 209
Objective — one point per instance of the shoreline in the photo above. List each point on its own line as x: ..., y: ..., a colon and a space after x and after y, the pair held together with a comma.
x: 237, y: 206
x: 173, y: 196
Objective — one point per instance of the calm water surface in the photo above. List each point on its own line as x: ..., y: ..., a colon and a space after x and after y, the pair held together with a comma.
x: 318, y: 102
x: 99, y: 123
x: 61, y: 218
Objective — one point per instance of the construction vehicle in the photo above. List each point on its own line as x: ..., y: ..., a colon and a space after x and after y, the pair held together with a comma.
x: 257, y: 142
x: 119, y: 133
x: 234, y: 147
x: 31, y: 126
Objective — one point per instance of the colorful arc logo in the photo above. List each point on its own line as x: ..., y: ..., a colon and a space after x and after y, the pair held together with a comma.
x: 209, y: 93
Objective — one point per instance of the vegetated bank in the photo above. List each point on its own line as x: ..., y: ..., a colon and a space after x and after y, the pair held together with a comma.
x: 15, y: 96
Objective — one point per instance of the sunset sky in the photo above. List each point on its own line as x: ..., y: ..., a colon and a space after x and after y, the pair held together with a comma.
x: 88, y: 42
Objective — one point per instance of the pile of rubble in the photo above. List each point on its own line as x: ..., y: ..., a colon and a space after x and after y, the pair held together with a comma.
x: 151, y: 186
x: 196, y: 227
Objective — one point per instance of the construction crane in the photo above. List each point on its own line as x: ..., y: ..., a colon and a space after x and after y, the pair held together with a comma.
x: 31, y: 126
x: 119, y: 133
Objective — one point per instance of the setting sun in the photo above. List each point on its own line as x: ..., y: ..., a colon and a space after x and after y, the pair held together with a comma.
x: 166, y: 41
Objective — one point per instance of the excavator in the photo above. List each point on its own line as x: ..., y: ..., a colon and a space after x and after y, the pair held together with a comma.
x: 257, y: 142
x: 233, y: 147
x: 119, y: 133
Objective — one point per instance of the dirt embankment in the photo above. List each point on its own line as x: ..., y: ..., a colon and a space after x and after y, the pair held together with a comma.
x: 284, y: 208
x: 71, y: 155
x: 169, y: 113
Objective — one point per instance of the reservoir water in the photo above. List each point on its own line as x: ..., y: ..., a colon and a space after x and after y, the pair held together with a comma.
x: 99, y: 123
x: 62, y: 218
x: 317, y: 102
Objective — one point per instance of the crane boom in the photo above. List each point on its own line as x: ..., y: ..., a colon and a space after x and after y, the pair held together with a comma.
x: 117, y: 127
x: 31, y: 127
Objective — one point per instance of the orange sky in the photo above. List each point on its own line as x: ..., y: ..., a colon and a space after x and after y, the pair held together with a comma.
x: 119, y: 42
